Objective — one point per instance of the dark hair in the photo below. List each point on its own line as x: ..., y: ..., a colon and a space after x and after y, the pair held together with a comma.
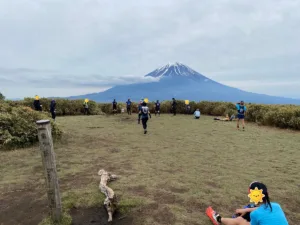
x: 263, y: 187
x: 144, y: 104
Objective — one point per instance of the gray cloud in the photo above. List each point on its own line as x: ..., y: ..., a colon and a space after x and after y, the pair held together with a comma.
x: 231, y: 41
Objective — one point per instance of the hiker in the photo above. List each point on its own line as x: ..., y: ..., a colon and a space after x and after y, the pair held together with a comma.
x: 37, y: 105
x: 241, y: 108
x: 114, y: 106
x: 174, y: 106
x: 139, y: 111
x: 197, y: 114
x: 86, y: 108
x: 157, y: 108
x: 145, y: 114
x: 128, y: 106
x: 265, y: 213
x: 53, y: 109
x: 188, y: 109
x: 226, y: 118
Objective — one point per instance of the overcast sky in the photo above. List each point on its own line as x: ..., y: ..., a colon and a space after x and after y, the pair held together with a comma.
x: 70, y: 47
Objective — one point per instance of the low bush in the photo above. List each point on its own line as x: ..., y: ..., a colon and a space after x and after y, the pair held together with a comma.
x: 64, y: 107
x: 18, y: 127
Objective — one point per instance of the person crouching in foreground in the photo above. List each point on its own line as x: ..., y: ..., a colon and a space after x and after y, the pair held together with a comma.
x: 197, y: 114
x: 145, y: 114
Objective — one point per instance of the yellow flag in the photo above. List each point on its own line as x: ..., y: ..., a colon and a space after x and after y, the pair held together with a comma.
x: 146, y: 100
x: 187, y: 102
x: 37, y: 97
x: 86, y: 100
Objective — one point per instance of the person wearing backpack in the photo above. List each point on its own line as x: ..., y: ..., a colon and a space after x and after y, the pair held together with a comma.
x: 114, y: 106
x: 145, y: 114
x: 241, y: 108
x: 128, y: 106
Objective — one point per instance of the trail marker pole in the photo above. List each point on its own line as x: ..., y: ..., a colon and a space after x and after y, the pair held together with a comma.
x: 49, y: 164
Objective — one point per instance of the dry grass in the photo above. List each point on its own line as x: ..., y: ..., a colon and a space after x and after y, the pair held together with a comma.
x: 169, y: 176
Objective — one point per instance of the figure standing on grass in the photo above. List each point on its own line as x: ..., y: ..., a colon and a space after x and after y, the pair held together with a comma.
x: 197, y: 114
x: 157, y: 108
x: 262, y: 212
x: 241, y: 108
x: 174, y: 106
x: 145, y: 114
x: 86, y: 107
x: 128, y: 106
x: 114, y: 104
x: 53, y: 109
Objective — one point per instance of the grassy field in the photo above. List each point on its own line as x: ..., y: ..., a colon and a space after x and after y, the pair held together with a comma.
x: 168, y: 176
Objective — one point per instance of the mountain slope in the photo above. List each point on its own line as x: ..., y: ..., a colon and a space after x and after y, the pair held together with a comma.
x: 180, y: 81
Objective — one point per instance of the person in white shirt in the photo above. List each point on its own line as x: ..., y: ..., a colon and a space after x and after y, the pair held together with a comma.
x: 197, y: 114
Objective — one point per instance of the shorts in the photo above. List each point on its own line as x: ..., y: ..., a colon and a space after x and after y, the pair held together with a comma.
x: 241, y: 117
x: 157, y: 109
x: 196, y: 117
x: 114, y: 107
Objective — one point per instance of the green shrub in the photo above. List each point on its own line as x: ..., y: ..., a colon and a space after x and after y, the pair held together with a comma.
x: 18, y: 127
x: 64, y: 107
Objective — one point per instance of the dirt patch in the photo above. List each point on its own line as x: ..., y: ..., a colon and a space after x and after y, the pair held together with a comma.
x: 24, y: 208
x: 159, y: 213
x: 97, y: 216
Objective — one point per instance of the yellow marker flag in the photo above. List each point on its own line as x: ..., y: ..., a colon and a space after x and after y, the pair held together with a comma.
x: 146, y: 100
x: 187, y: 102
x: 86, y: 100
x: 37, y: 97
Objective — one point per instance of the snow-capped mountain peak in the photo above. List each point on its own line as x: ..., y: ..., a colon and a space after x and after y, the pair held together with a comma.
x: 175, y: 70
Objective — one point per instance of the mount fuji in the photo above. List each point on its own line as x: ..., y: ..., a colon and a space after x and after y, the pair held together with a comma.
x: 181, y: 82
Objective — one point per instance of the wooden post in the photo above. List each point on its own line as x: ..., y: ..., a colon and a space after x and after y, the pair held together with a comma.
x: 48, y: 158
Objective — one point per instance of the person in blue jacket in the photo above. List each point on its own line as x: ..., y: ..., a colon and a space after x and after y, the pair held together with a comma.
x: 128, y: 106
x: 241, y: 109
x: 265, y: 213
x: 114, y: 104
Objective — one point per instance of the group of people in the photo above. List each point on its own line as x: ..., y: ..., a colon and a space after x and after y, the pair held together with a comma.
x: 38, y: 107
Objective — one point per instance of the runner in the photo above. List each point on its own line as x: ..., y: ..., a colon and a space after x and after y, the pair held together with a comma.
x: 157, y: 108
x: 241, y: 108
x: 145, y: 114
x: 265, y: 213
x: 128, y: 106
